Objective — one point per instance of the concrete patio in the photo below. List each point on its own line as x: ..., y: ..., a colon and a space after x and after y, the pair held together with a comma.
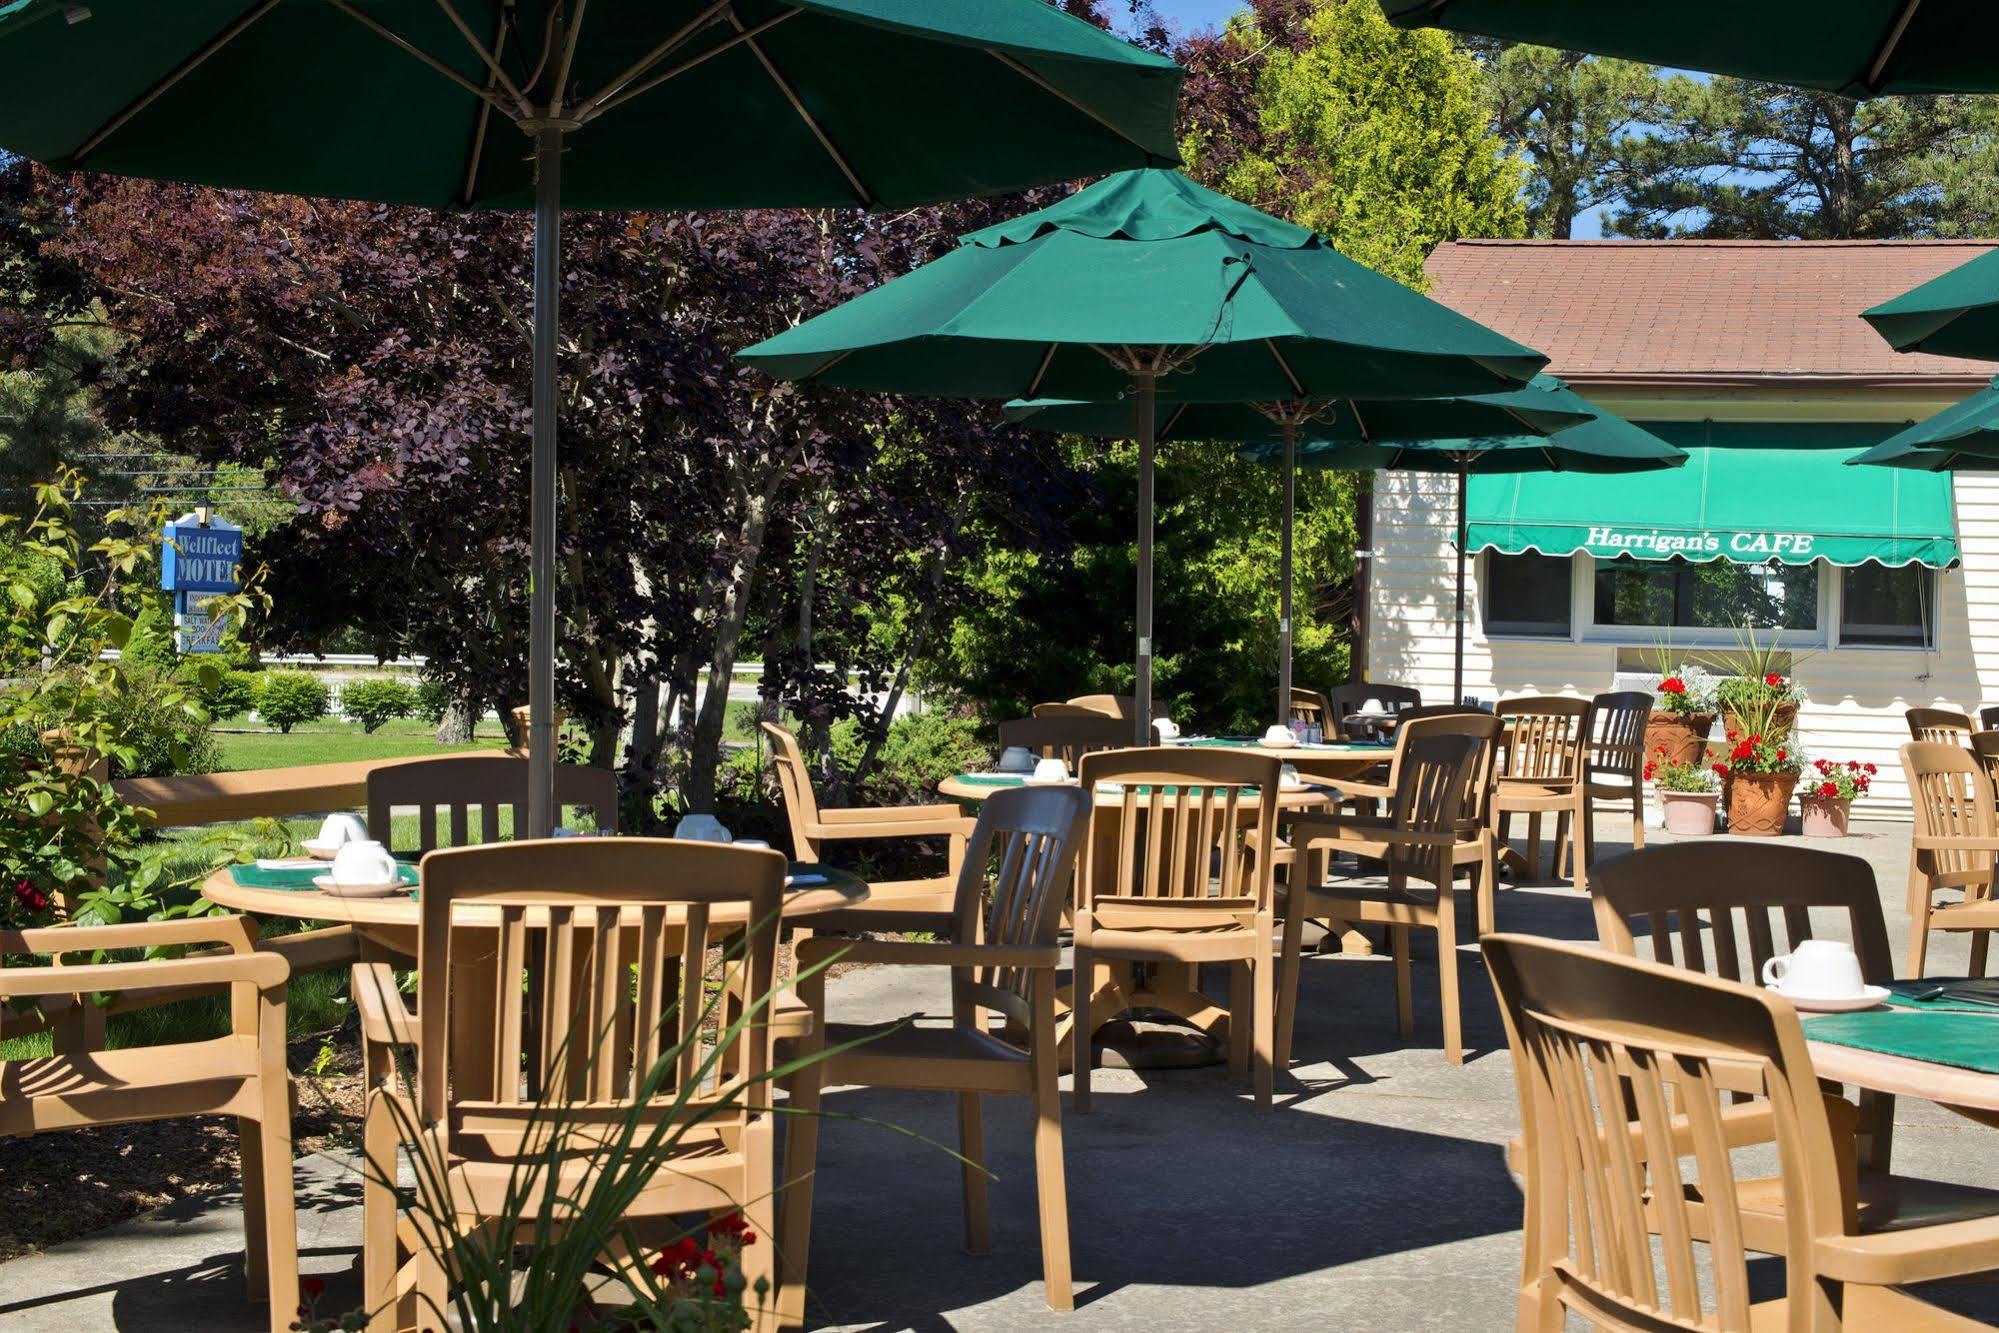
x: 1374, y: 1195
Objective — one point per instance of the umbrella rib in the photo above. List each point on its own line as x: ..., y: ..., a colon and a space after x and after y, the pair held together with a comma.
x: 1886, y: 51
x: 1297, y: 385
x: 1360, y: 421
x: 1034, y: 385
x: 867, y: 200
x: 172, y: 77
x: 614, y: 91
x: 491, y: 60
x: 1049, y: 88
x: 409, y: 48
x: 568, y: 60
x: 478, y: 151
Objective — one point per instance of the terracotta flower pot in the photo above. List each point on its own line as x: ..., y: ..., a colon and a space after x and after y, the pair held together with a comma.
x: 1781, y: 722
x: 1759, y: 803
x: 1688, y: 814
x: 1680, y: 735
x: 1824, y: 816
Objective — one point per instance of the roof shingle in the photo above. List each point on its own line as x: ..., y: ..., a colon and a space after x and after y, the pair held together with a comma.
x: 1777, y: 310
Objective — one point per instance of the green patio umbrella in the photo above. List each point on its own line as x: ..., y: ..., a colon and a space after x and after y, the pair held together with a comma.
x: 1143, y: 277
x: 1606, y: 443
x: 1953, y: 314
x: 1963, y: 435
x: 637, y: 103
x: 1861, y: 48
x: 1536, y: 410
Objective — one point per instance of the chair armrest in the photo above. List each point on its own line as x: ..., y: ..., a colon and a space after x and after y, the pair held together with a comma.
x: 266, y: 971
x: 1313, y: 830
x: 928, y: 826
x: 385, y: 1019
x: 237, y: 933
x: 1926, y: 842
x: 1367, y: 791
x: 1919, y: 1254
x: 820, y: 948
x: 890, y: 814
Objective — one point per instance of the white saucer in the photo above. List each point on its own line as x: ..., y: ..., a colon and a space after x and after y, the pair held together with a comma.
x: 1287, y: 743
x: 318, y: 850
x: 1834, y: 1004
x: 1033, y: 781
x: 338, y: 890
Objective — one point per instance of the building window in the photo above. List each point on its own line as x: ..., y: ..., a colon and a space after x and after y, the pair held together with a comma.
x: 1527, y: 595
x: 1716, y: 594
x: 1886, y: 605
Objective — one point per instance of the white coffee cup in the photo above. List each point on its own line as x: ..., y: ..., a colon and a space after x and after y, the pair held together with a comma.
x: 363, y: 863
x: 702, y: 828
x: 1372, y: 707
x: 1278, y: 734
x: 1016, y: 759
x: 1050, y: 770
x: 1821, y: 969
x: 1167, y: 729
x: 338, y: 830
x: 1288, y: 777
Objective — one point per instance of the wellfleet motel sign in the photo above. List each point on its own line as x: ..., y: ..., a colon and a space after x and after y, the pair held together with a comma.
x: 201, y: 555
x: 1657, y: 543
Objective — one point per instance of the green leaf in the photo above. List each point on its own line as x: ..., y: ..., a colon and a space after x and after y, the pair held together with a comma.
x: 40, y: 803
x: 118, y: 629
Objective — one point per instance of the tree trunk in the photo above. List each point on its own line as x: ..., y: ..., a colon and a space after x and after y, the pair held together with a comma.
x: 918, y: 633
x: 808, y: 591
x: 458, y: 722
x: 705, y: 745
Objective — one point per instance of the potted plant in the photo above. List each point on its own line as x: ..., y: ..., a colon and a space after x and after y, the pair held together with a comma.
x: 1765, y: 704
x: 1687, y: 795
x: 1826, y: 804
x: 1682, y: 715
x: 1760, y: 773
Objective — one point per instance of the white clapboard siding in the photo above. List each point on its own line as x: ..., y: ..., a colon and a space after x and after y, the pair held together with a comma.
x: 1857, y: 696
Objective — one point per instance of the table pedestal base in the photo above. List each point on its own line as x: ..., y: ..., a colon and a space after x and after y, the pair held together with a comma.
x: 1146, y: 1042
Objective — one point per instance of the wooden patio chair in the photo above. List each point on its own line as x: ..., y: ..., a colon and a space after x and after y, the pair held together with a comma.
x: 1348, y: 698
x: 1758, y: 895
x: 812, y: 826
x: 1423, y: 837
x: 1179, y: 873
x: 1956, y: 834
x: 1544, y: 770
x: 1988, y: 717
x: 1000, y: 944
x: 1985, y: 745
x: 1067, y: 710
x: 1630, y: 1077
x: 1946, y: 725
x: 1616, y: 771
x: 241, y: 1075
x: 453, y: 788
x: 1310, y: 708
x: 1113, y: 705
x: 605, y: 943
x: 1066, y: 738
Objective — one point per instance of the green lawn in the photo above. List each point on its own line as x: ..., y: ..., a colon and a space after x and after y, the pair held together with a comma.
x: 332, y: 742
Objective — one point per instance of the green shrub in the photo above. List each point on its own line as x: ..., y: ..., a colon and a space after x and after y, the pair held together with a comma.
x: 166, y: 730
x: 152, y: 640
x: 430, y: 701
x: 292, y: 697
x: 920, y: 750
x: 229, y: 694
x: 376, y: 699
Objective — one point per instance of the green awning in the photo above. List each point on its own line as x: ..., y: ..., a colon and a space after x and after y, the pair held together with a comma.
x: 1749, y: 492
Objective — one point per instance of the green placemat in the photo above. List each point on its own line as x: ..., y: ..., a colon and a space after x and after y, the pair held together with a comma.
x: 255, y: 877
x: 990, y: 780
x: 1909, y: 995
x: 1945, y: 1037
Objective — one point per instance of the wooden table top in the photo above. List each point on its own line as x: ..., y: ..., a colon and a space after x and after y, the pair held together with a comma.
x: 1966, y: 1090
x: 400, y: 910
x: 1307, y: 798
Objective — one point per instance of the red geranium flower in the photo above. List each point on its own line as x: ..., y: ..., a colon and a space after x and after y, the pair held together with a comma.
x: 1722, y: 769
x: 1672, y: 685
x: 1774, y: 681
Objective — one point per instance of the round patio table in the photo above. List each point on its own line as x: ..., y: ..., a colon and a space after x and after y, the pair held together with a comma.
x: 1899, y: 1070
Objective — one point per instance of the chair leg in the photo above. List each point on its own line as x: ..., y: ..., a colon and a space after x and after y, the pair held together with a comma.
x: 1050, y: 1178
x: 1979, y: 939
x: 1534, y: 846
x: 801, y: 1155
x: 1638, y: 814
x: 1919, y: 934
x: 759, y: 1209
x: 1263, y: 1005
x: 1291, y: 956
x: 1585, y: 840
x: 1405, y: 1006
x: 1082, y: 1039
x: 1447, y: 974
x: 972, y: 1147
x: 270, y: 1164
x: 1241, y: 988
x: 1563, y: 846
x: 250, y: 1149
x: 379, y: 1256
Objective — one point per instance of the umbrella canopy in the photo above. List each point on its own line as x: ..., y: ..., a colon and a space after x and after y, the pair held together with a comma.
x: 1606, y: 443
x: 1143, y: 275
x: 1861, y: 48
x: 1546, y: 406
x: 1953, y: 314
x: 1963, y: 435
x: 642, y: 103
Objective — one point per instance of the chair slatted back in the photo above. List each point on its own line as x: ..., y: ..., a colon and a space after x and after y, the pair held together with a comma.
x: 1436, y: 774
x: 1018, y: 874
x: 452, y: 788
x: 1758, y: 895
x: 1195, y: 832
x: 1953, y: 799
x: 611, y: 958
x: 1114, y: 705
x: 1440, y: 720
x: 1066, y: 738
x: 1349, y: 697
x: 1617, y: 735
x: 1310, y: 708
x: 1624, y: 1070
x: 794, y: 783
x: 1547, y: 739
x: 1068, y: 710
x: 1944, y: 725
x: 1985, y: 745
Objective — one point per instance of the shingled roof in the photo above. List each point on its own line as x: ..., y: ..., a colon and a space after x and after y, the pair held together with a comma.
x: 1705, y: 312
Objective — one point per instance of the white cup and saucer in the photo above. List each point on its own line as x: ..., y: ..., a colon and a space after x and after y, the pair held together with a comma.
x: 1048, y: 773
x: 335, y: 832
x: 1278, y: 737
x: 1821, y: 976
x: 1288, y: 779
x: 1166, y: 729
x: 363, y: 868
x: 1016, y: 759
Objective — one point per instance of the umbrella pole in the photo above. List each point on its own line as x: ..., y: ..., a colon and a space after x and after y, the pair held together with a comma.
x: 1284, y: 575
x: 541, y: 558
x: 1458, y: 671
x: 1142, y: 694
